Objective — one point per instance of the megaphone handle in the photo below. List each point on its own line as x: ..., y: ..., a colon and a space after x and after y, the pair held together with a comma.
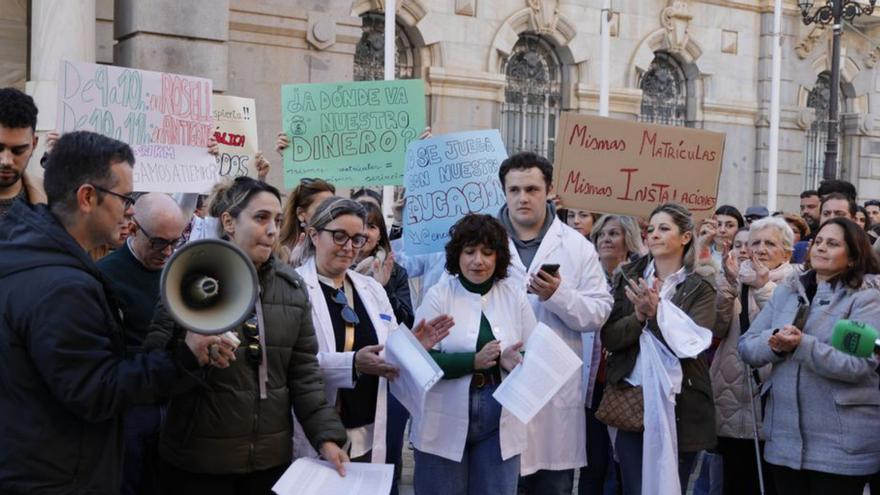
x: 263, y: 372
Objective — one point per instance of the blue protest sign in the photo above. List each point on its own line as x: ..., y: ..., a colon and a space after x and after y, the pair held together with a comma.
x: 446, y: 178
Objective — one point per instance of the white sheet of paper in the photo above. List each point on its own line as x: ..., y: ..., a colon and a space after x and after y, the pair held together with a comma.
x: 418, y: 370
x: 309, y: 476
x: 548, y: 364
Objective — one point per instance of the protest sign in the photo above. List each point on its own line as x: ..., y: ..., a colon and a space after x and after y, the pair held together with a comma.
x: 630, y: 168
x: 166, y: 118
x: 351, y: 134
x: 446, y: 178
x: 235, y: 128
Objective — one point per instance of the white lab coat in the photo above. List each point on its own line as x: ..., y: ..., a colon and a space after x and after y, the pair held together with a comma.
x: 557, y: 436
x: 441, y: 428
x: 336, y: 367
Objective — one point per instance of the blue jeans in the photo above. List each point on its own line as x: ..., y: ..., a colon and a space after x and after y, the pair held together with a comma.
x: 710, y: 480
x: 481, y: 470
x: 397, y: 418
x: 629, y: 452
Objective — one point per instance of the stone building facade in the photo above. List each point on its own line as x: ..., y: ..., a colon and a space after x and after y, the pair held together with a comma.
x: 507, y: 64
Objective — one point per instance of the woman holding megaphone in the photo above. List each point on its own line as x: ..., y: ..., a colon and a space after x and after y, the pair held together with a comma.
x: 353, y: 317
x: 229, y: 431
x: 822, y: 418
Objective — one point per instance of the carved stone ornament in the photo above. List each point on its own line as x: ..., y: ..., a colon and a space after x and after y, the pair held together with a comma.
x: 675, y: 18
x: 872, y: 57
x: 466, y: 7
x: 543, y: 15
x: 805, y: 46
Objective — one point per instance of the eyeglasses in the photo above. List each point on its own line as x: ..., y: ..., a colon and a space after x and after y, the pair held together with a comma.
x: 348, y: 314
x: 341, y: 237
x: 253, y: 351
x: 127, y: 200
x: 156, y: 243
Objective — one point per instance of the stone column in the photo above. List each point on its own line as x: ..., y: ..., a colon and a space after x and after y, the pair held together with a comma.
x: 60, y: 30
x: 186, y: 37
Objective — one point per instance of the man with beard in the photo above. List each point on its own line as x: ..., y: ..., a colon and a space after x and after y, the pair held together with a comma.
x: 18, y: 123
x: 810, y: 211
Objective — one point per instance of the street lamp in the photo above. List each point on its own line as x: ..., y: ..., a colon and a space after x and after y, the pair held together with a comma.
x: 834, y: 11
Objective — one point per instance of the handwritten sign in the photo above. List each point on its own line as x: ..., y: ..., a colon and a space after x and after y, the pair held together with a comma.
x: 448, y: 177
x: 166, y: 118
x: 630, y: 168
x: 235, y: 128
x: 351, y: 134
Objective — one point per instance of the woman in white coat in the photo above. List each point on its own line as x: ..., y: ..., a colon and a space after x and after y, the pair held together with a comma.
x: 465, y: 443
x: 352, y: 317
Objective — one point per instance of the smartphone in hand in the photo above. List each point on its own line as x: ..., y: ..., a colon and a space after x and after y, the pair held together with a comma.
x: 550, y: 268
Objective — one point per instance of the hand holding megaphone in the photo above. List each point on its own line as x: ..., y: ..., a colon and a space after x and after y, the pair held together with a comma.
x: 216, y: 350
x: 855, y: 338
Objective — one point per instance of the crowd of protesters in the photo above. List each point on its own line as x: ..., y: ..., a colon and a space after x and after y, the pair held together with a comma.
x: 103, y: 392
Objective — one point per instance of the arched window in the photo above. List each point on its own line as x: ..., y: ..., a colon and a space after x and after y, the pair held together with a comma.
x: 533, y: 97
x: 664, y: 92
x: 369, y: 56
x: 819, y: 100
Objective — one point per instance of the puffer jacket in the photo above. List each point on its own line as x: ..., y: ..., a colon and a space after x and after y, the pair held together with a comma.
x: 694, y: 409
x: 219, y: 425
x: 823, y: 408
x: 733, y: 408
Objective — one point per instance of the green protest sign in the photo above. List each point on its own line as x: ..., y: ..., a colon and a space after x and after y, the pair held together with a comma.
x: 351, y: 134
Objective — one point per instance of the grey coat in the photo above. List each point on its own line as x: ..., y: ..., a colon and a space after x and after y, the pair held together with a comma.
x: 823, y: 412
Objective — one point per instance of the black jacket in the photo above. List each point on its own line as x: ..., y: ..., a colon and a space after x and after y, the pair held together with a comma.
x: 64, y: 384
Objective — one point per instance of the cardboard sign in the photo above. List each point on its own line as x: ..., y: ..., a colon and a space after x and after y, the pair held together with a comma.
x: 235, y: 128
x: 630, y: 168
x: 448, y: 177
x: 351, y: 134
x: 166, y: 118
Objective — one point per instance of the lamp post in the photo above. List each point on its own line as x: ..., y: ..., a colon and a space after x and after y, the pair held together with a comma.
x: 834, y: 12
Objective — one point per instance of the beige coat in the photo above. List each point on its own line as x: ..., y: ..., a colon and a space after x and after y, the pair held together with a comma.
x: 733, y: 413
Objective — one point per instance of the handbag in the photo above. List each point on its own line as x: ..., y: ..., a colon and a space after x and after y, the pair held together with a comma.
x: 622, y: 407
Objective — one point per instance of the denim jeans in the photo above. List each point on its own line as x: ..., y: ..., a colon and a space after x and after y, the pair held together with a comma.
x: 397, y: 418
x: 710, y: 479
x: 629, y: 451
x: 481, y: 470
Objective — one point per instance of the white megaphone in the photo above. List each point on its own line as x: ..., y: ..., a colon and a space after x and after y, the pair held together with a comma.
x: 209, y: 286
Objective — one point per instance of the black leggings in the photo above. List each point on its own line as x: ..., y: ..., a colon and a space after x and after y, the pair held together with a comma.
x: 179, y: 482
x: 804, y: 482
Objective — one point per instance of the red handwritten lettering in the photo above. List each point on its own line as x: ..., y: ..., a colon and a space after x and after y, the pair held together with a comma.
x: 592, y: 143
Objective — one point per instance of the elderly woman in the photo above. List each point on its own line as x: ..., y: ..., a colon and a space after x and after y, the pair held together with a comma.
x: 822, y: 418
x: 667, y: 273
x: 757, y: 262
x: 465, y: 443
x: 618, y: 240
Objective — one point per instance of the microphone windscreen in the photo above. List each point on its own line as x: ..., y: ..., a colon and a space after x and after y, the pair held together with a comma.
x: 854, y: 338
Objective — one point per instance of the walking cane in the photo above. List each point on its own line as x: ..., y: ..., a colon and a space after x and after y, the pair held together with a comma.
x: 749, y: 373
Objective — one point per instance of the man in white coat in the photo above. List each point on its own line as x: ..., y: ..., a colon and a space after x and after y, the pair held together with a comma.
x: 571, y: 299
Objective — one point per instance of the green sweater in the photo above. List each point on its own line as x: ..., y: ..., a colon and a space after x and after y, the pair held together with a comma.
x: 459, y: 364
